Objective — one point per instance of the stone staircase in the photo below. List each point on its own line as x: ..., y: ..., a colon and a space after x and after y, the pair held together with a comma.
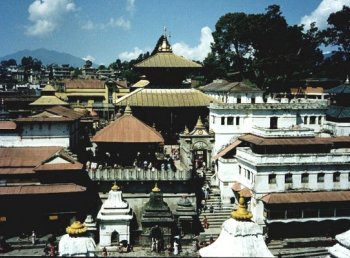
x: 221, y: 212
x: 301, y: 247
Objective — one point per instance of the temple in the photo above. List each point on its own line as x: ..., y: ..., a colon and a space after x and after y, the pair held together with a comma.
x: 114, y: 219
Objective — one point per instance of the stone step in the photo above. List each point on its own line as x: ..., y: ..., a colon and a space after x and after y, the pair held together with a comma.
x: 301, y: 253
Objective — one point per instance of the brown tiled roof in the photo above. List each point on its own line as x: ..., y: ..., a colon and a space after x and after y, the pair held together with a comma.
x: 307, y: 197
x: 84, y: 84
x: 7, y: 125
x: 128, y: 129
x: 294, y: 141
x: 24, y: 160
x: 227, y: 149
x: 59, y: 166
x: 226, y: 86
x: 53, y: 114
x: 41, y: 189
x: 25, y: 156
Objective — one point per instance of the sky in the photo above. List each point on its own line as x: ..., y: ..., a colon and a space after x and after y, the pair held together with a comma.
x: 105, y: 30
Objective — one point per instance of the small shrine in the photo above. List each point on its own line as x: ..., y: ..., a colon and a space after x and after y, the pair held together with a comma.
x: 91, y: 226
x: 239, y: 237
x: 186, y: 217
x: 196, y: 146
x: 157, y: 220
x: 114, y: 217
x: 76, y: 242
x: 48, y: 98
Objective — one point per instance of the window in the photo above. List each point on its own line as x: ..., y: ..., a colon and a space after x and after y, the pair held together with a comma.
x: 253, y: 100
x: 288, y: 178
x: 230, y: 120
x: 320, y: 177
x: 305, y: 178
x: 305, y: 120
x: 222, y: 120
x: 272, y: 179
x: 213, y: 120
x: 349, y: 177
x: 238, y: 99
x: 320, y: 120
x: 237, y: 120
x: 312, y: 120
x: 336, y: 177
x: 248, y: 175
x: 31, y: 127
x: 273, y: 122
x: 239, y: 169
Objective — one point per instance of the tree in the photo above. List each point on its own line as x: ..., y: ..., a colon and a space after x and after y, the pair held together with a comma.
x: 338, y: 34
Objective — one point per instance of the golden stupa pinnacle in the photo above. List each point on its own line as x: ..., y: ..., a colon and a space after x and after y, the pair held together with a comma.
x: 155, y: 188
x: 241, y: 213
x: 115, y: 187
x: 199, y: 124
x: 76, y: 228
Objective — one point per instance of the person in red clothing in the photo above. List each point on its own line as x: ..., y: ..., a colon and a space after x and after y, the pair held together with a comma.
x: 205, y: 222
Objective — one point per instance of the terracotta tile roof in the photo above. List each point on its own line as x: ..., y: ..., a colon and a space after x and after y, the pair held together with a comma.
x: 166, y: 59
x: 294, y: 141
x: 59, y: 166
x: 244, y: 191
x: 24, y: 160
x: 227, y: 149
x: 7, y: 125
x: 84, y: 84
x: 307, y: 197
x: 41, y: 189
x: 226, y: 86
x: 53, y: 114
x: 128, y: 129
x: 144, y: 97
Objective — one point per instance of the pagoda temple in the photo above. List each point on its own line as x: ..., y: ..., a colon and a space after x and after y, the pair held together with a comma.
x: 48, y: 99
x: 239, y: 237
x: 157, y: 220
x: 166, y: 101
x: 114, y: 217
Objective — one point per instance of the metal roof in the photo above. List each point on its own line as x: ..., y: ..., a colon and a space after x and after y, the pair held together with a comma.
x: 128, y: 129
x: 225, y: 86
x: 48, y: 101
x: 144, y: 97
x: 338, y: 112
x: 41, y: 189
x: 84, y: 84
x: 167, y: 60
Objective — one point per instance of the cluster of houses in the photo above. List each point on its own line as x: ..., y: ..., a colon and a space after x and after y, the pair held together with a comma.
x: 282, y: 158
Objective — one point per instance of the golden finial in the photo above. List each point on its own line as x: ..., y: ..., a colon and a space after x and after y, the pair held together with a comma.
x: 155, y: 188
x: 128, y: 110
x: 199, y: 124
x: 186, y: 130
x: 76, y: 228
x: 115, y: 187
x: 241, y: 213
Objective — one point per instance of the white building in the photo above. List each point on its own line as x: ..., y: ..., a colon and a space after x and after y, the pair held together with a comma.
x: 114, y: 219
x: 56, y: 126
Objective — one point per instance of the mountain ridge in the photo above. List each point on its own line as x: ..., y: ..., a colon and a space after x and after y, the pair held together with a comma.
x: 46, y: 56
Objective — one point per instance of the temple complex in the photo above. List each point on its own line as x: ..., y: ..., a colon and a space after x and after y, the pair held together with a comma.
x: 157, y: 220
x: 114, y: 219
x: 239, y: 237
x: 166, y: 101
x: 76, y: 242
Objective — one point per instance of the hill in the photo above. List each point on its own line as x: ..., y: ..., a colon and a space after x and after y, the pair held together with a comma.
x: 47, y: 57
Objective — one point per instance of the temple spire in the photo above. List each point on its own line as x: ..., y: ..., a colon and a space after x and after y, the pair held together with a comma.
x: 241, y: 213
x: 128, y: 110
x: 199, y: 124
x: 155, y: 188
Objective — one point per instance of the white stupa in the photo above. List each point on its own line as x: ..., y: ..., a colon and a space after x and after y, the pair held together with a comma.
x: 76, y: 242
x: 114, y: 217
x: 239, y: 237
x: 342, y: 248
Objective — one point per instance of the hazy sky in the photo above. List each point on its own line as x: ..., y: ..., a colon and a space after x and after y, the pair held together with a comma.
x: 104, y: 30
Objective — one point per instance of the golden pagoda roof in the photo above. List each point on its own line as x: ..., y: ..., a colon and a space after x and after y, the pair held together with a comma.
x: 144, y: 97
x: 141, y: 83
x: 48, y: 101
x: 167, y: 59
x: 48, y: 88
x: 156, y: 188
x: 241, y: 213
x: 76, y: 228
